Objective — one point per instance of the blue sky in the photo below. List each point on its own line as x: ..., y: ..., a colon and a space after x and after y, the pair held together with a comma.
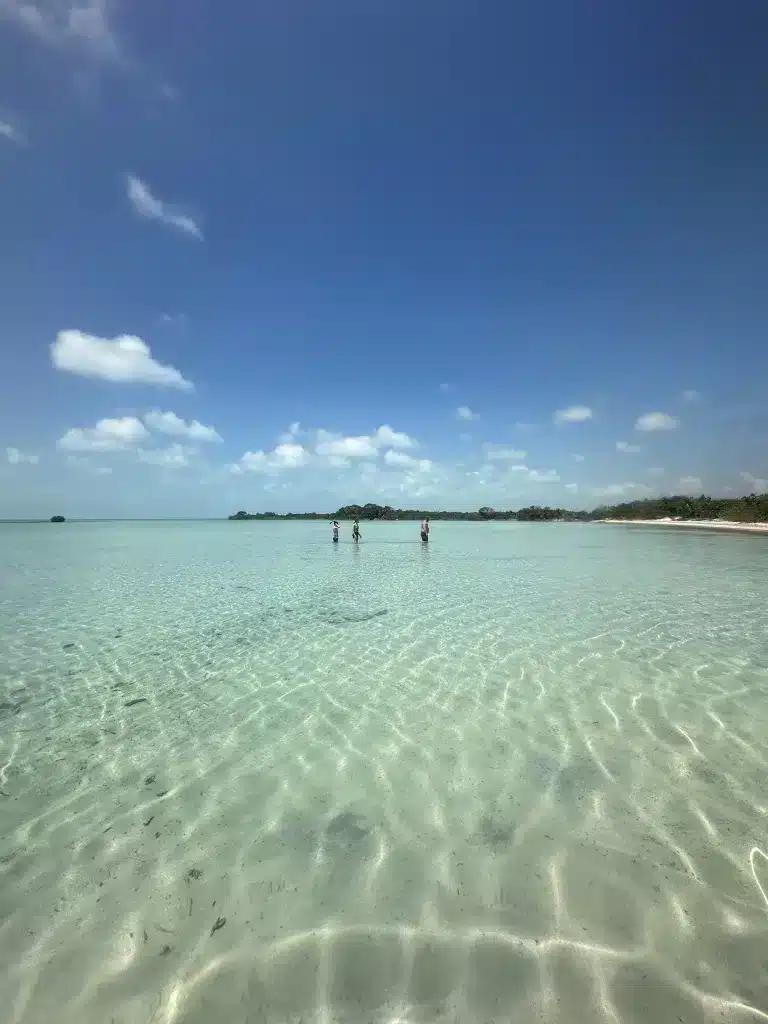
x: 287, y: 256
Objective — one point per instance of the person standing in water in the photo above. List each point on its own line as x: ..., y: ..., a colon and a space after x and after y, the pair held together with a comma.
x: 356, y: 531
x: 425, y: 530
x: 335, y: 532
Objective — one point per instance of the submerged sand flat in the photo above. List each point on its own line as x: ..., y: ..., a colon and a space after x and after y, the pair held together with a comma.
x: 249, y: 777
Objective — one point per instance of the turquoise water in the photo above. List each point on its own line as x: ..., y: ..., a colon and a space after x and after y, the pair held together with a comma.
x: 519, y: 776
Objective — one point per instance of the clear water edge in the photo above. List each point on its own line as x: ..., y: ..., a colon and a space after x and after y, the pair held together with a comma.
x: 517, y: 776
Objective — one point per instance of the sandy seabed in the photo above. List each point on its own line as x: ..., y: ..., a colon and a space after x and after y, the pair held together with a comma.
x: 518, y: 777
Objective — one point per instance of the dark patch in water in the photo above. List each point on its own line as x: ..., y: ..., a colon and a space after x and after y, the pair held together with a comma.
x: 495, y: 833
x: 340, y: 618
x: 138, y: 700
x: 67, y: 647
x: 348, y: 828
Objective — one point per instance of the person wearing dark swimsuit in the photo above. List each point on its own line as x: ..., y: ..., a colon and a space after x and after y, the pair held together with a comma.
x: 425, y: 530
x: 335, y: 532
x: 356, y: 531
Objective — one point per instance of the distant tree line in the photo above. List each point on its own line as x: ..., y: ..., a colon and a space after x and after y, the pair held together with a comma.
x: 750, y: 509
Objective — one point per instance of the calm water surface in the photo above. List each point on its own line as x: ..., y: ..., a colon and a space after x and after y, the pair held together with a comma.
x: 248, y: 776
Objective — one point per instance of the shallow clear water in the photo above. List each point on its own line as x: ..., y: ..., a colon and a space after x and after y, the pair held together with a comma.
x: 520, y: 776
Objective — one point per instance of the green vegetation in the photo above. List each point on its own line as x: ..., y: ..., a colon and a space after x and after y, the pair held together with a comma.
x: 750, y: 509
x: 58, y: 519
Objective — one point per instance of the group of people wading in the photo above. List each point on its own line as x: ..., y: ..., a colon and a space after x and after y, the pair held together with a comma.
x: 356, y: 531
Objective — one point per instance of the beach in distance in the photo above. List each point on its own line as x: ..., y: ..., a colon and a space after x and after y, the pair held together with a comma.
x: 703, y: 524
x: 515, y: 774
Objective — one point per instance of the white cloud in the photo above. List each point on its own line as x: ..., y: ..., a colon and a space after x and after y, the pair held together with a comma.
x: 757, y: 483
x: 465, y: 413
x: 170, y: 423
x: 108, y: 435
x: 497, y: 452
x: 623, y: 446
x: 691, y: 396
x: 393, y: 458
x: 79, y: 24
x: 543, y: 476
x: 571, y: 487
x: 655, y: 470
x: 656, y: 421
x: 150, y: 207
x: 386, y: 437
x: 289, y: 456
x: 690, y: 483
x: 573, y: 414
x: 175, y: 456
x: 284, y: 456
x: 125, y: 359
x: 446, y: 388
x: 577, y: 458
x: 17, y: 458
x: 361, y: 447
x: 11, y: 133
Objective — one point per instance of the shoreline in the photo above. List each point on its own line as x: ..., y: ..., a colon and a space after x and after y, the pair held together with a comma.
x: 722, y: 525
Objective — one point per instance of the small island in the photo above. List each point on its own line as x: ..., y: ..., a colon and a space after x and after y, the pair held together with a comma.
x: 58, y: 519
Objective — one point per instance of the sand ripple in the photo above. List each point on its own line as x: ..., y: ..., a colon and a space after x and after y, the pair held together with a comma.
x: 518, y: 777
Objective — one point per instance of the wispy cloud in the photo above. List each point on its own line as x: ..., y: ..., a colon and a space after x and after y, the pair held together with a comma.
x: 691, y: 396
x: 175, y: 456
x: 545, y: 476
x: 402, y: 459
x: 150, y: 207
x: 170, y: 423
x: 499, y: 453
x: 629, y: 449
x: 690, y: 483
x: 85, y: 25
x: 11, y: 132
x: 651, y: 421
x: 125, y: 360
x: 174, y: 319
x: 85, y: 464
x: 757, y: 483
x: 573, y: 414
x: 578, y: 458
x: 617, y: 490
x: 465, y: 413
x: 18, y: 458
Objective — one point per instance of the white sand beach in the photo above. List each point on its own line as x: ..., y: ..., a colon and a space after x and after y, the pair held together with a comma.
x: 706, y: 524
